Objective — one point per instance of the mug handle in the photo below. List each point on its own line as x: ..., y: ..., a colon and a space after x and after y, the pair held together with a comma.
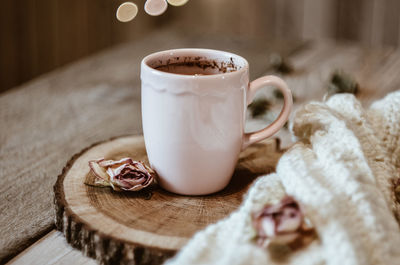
x: 250, y: 138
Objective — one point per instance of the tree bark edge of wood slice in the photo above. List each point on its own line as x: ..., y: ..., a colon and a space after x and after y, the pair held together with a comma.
x: 92, y: 220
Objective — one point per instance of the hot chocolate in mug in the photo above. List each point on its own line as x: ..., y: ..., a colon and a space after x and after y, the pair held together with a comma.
x: 194, y: 105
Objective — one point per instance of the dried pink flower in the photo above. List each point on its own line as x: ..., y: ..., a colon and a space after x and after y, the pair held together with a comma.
x: 282, y: 223
x: 124, y: 174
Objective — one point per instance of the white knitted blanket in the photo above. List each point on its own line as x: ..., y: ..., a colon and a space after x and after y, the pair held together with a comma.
x: 341, y: 170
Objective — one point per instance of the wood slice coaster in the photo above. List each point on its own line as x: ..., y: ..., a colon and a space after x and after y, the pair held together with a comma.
x: 148, y: 226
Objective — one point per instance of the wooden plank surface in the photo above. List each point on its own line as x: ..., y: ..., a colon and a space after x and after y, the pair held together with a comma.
x: 375, y: 70
x: 49, y: 119
x: 51, y: 249
x: 58, y: 129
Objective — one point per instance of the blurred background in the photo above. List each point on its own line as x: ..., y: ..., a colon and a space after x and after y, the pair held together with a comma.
x: 37, y: 36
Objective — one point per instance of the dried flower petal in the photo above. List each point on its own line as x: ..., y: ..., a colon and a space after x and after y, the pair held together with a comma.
x: 281, y: 223
x: 98, y: 170
x: 124, y: 174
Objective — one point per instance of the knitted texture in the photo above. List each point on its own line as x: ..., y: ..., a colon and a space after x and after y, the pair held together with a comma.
x: 341, y: 170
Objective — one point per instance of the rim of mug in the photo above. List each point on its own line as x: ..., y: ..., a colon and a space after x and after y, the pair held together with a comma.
x: 151, y: 57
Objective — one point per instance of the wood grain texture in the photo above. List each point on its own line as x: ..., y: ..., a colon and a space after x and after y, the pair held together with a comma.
x: 51, y: 249
x: 374, y: 69
x: 319, y: 19
x: 46, y: 121
x: 137, y: 229
x: 9, y: 38
x: 41, y: 35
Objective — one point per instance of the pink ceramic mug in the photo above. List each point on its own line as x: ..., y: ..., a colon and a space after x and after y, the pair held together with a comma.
x: 193, y: 124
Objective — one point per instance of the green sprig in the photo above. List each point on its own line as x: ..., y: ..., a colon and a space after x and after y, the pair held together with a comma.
x: 259, y: 107
x: 341, y: 82
x: 279, y: 64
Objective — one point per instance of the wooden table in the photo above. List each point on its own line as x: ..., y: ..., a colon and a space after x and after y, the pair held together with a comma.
x: 46, y: 121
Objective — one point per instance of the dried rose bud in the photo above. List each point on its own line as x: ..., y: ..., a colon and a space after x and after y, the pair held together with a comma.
x: 281, y: 223
x: 124, y: 174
